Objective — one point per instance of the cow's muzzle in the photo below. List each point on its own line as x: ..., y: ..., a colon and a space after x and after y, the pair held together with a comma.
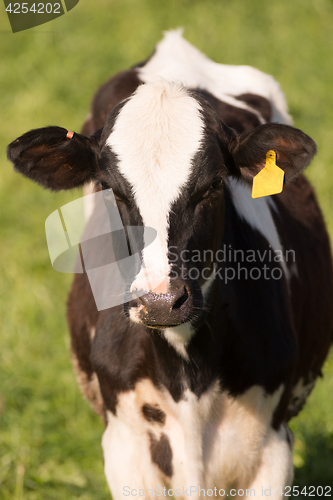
x: 181, y: 304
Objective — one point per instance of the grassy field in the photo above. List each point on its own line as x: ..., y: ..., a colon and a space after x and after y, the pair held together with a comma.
x: 49, y: 437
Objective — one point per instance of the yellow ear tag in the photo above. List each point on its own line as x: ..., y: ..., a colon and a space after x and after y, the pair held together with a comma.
x: 270, y: 178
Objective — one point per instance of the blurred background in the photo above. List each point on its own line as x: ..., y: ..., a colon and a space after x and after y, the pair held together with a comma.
x: 49, y: 437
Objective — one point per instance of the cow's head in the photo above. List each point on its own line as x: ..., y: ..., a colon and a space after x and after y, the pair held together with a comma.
x: 166, y: 155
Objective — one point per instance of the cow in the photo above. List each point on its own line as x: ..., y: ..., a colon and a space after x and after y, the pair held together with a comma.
x: 197, y: 375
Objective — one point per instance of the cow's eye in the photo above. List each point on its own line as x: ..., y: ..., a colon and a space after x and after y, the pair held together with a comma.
x: 216, y: 183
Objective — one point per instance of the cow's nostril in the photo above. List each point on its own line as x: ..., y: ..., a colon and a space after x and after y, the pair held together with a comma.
x: 179, y: 302
x: 165, y: 310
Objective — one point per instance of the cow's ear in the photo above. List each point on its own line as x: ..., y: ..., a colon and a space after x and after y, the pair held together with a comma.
x: 294, y: 150
x: 55, y: 158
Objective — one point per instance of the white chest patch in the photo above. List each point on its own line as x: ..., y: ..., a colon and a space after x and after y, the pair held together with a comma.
x: 215, y: 440
x: 155, y: 137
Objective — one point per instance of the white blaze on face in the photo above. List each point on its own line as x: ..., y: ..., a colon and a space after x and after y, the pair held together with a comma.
x: 155, y: 137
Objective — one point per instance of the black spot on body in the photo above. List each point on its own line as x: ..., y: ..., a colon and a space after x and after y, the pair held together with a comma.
x: 153, y: 414
x: 241, y: 120
x: 259, y: 103
x: 161, y: 453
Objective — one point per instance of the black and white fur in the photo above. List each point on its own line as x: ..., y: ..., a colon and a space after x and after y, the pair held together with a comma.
x: 196, y: 379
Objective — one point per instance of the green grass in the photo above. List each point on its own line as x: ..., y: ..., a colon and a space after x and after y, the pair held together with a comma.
x: 49, y: 437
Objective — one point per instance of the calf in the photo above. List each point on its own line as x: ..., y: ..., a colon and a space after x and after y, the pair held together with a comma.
x: 198, y: 374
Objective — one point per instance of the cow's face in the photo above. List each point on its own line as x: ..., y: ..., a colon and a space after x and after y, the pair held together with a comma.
x: 166, y: 156
x: 161, y: 154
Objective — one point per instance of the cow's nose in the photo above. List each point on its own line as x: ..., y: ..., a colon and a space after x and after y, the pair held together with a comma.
x: 171, y: 300
x: 163, y: 309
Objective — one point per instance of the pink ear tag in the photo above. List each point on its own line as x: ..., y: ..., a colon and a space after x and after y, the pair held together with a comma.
x: 69, y: 134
